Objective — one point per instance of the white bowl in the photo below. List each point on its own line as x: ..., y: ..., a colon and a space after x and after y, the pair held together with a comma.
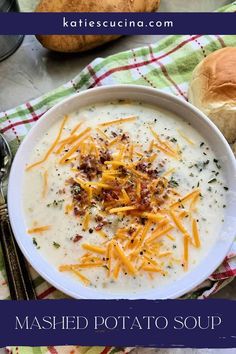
x: 148, y: 95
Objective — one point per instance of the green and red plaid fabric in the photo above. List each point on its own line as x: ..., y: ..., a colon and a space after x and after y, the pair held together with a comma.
x: 68, y: 350
x: 166, y: 65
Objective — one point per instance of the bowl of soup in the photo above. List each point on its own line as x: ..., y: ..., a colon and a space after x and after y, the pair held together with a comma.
x: 123, y: 192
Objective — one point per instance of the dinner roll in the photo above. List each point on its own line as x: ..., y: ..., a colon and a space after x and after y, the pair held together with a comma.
x: 213, y: 90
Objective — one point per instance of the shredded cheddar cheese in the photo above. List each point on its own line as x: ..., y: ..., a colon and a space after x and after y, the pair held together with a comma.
x: 94, y: 249
x: 39, y: 229
x: 124, y: 259
x: 86, y: 221
x: 196, y: 238
x: 186, y: 198
x: 186, y: 138
x: 54, y: 144
x: 186, y: 252
x: 76, y: 146
x: 76, y: 128
x: 122, y: 209
x: 45, y: 184
x: 121, y: 178
x: 118, y: 121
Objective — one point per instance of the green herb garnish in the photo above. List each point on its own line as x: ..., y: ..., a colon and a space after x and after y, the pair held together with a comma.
x: 213, y: 180
x: 56, y: 245
x: 173, y: 183
x: 56, y: 203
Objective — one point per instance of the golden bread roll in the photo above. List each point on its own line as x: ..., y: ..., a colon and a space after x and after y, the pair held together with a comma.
x: 81, y: 43
x: 213, y: 90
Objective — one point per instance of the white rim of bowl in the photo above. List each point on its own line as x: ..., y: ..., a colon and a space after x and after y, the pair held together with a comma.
x: 97, y: 294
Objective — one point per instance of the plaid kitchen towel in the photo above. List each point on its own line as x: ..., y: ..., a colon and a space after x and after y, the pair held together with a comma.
x: 68, y: 350
x: 168, y: 66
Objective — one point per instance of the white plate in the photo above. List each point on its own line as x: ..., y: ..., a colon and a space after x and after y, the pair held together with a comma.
x: 148, y: 95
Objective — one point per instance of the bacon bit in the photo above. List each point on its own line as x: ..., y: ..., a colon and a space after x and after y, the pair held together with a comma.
x: 70, y: 181
x: 98, y: 218
x: 77, y: 238
x: 109, y: 195
x: 79, y: 212
x: 142, y: 166
x: 99, y: 227
x: 90, y: 167
x: 80, y: 197
x: 105, y: 156
x: 145, y: 198
x: 62, y: 191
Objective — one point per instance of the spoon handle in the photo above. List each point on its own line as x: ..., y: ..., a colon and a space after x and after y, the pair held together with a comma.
x: 19, y: 280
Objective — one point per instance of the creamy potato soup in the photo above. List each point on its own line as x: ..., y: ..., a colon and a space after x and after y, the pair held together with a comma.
x: 123, y: 196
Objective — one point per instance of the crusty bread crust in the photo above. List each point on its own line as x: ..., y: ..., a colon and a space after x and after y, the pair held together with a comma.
x: 79, y: 43
x: 213, y: 89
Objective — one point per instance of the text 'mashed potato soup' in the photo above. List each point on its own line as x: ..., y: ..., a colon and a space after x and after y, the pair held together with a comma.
x: 123, y: 196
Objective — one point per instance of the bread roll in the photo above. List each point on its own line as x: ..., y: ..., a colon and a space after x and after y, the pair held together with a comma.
x: 79, y: 43
x: 213, y: 90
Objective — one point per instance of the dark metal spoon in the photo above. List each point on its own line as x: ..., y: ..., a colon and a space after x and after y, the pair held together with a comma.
x: 19, y: 280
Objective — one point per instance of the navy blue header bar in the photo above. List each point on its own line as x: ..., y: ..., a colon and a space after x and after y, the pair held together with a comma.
x: 117, y: 23
x: 169, y: 323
